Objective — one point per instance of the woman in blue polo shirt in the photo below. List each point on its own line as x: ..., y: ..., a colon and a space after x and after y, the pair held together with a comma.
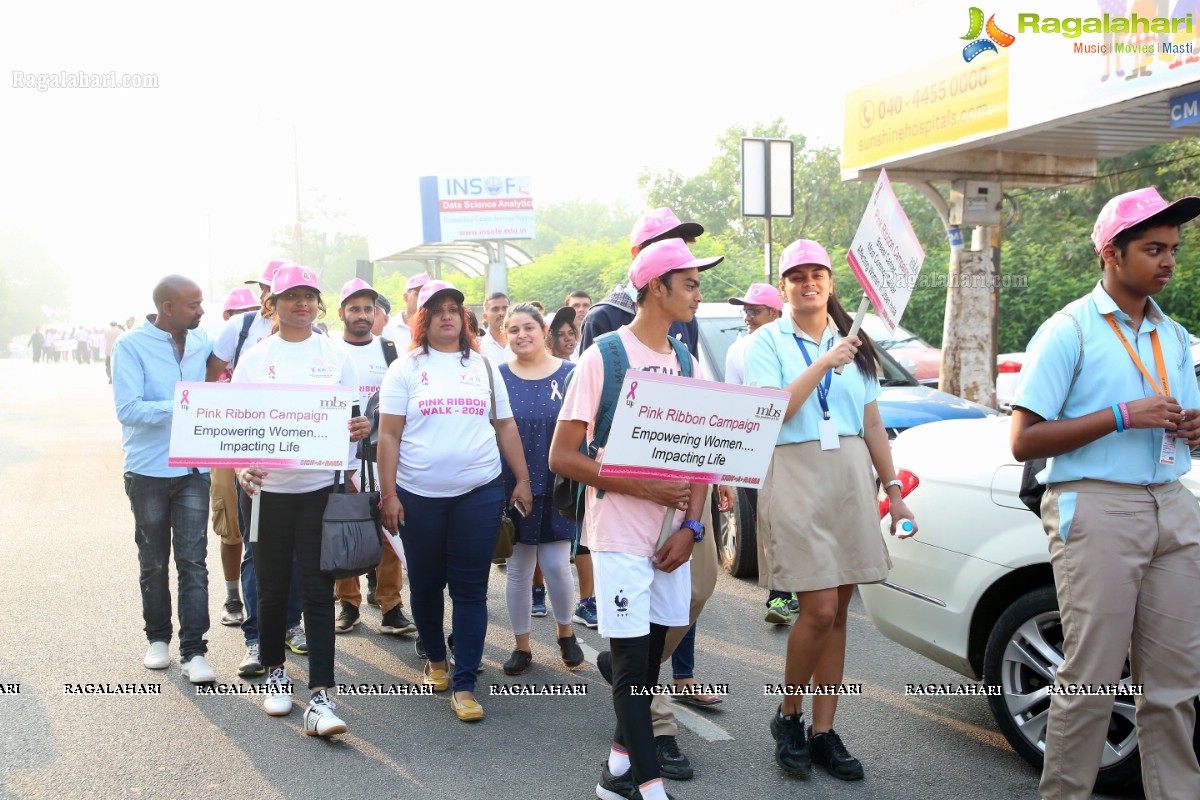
x: 818, y: 519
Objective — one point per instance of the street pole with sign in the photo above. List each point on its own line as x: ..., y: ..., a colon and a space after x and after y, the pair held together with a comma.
x: 767, y: 186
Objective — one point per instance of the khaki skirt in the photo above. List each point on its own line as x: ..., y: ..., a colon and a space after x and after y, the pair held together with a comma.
x: 818, y: 519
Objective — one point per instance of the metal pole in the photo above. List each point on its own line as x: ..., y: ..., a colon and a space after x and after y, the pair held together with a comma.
x: 297, y: 232
x: 767, y: 248
x: 767, y: 206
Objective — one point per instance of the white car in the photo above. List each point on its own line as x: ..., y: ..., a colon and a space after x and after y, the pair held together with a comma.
x: 974, y: 589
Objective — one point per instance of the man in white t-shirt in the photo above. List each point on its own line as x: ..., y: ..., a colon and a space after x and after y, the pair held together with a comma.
x: 643, y: 586
x: 399, y: 328
x: 493, y: 342
x: 371, y: 357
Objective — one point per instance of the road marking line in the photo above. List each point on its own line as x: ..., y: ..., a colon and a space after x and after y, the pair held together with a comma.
x: 706, y: 730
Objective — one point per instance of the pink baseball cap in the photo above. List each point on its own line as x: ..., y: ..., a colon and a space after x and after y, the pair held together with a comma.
x: 433, y: 288
x: 800, y: 252
x: 416, y: 282
x: 268, y: 274
x: 760, y: 294
x: 290, y: 276
x: 659, y: 224
x: 241, y: 299
x: 664, y: 256
x: 357, y: 286
x: 1126, y: 210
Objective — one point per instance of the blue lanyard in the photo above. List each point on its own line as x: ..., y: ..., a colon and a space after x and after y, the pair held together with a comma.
x: 823, y: 386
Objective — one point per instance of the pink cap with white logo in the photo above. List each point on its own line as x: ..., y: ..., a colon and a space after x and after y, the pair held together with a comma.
x: 432, y: 288
x: 661, y: 223
x: 800, y: 252
x: 1126, y: 210
x: 668, y: 255
x: 291, y: 276
x: 268, y: 274
x: 760, y: 294
x: 357, y: 286
x: 241, y: 299
x: 416, y: 282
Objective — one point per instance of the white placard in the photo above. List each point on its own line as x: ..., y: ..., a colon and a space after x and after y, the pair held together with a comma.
x: 668, y: 427
x: 885, y: 254
x: 254, y: 425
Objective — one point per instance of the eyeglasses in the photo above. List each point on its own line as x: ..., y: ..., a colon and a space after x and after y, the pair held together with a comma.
x: 752, y: 311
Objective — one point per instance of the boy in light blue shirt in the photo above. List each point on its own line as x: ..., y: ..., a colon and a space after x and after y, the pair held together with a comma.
x: 1109, y: 395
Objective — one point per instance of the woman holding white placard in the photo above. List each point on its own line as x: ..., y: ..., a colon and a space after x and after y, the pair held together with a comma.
x: 818, y: 519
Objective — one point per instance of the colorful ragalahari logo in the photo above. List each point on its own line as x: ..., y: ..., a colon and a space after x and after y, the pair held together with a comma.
x: 994, y: 37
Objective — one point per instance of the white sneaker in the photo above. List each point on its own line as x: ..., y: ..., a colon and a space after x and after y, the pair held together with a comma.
x: 197, y: 670
x: 296, y: 641
x: 157, y: 656
x: 278, y: 702
x: 319, y: 719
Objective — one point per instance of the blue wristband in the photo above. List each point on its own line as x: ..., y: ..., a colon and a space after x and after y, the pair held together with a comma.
x: 1120, y: 422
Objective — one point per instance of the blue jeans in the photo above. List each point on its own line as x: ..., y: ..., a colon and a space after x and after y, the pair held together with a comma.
x: 683, y: 660
x: 448, y: 541
x: 172, y: 512
x: 250, y: 580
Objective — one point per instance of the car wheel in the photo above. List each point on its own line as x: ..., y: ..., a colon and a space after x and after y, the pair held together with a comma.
x: 1022, y: 656
x: 737, y: 540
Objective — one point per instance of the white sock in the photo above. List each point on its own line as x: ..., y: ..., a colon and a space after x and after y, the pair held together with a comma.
x: 653, y: 790
x: 618, y: 761
x: 231, y: 590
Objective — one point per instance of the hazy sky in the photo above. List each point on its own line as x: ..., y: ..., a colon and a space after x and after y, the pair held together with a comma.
x: 125, y: 185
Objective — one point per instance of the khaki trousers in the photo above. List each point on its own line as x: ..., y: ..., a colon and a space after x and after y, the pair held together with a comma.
x: 389, y: 580
x: 222, y: 495
x: 704, y: 581
x: 1126, y: 563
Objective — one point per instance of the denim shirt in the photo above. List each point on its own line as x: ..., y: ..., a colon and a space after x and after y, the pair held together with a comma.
x: 145, y: 370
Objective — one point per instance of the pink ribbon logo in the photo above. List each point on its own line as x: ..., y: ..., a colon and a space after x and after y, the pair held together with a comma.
x: 271, y: 371
x: 629, y: 398
x: 183, y: 400
x: 425, y: 378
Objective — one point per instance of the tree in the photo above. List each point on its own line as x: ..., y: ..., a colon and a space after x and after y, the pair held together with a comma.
x: 32, y: 289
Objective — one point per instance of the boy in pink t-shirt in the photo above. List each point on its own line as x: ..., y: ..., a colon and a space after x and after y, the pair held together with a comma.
x: 641, y: 589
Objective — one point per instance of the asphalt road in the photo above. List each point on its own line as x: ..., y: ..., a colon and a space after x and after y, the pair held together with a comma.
x: 71, y: 614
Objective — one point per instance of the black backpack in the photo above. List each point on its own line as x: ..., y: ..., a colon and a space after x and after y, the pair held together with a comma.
x: 368, y: 449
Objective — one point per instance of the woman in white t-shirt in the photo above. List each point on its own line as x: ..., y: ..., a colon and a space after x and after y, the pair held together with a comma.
x: 293, y: 500
x: 438, y: 403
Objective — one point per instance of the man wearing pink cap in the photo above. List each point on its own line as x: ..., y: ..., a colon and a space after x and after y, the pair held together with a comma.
x: 399, y: 328
x: 1124, y: 533
x: 245, y: 331
x: 371, y: 357
x: 644, y: 589
x: 658, y: 225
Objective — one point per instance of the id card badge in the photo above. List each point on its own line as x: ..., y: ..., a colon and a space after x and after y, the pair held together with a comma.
x: 828, y: 431
x: 1167, y: 455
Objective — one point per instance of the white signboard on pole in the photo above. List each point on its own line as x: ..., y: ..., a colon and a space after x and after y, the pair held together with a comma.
x: 668, y: 427
x: 261, y: 425
x: 885, y: 254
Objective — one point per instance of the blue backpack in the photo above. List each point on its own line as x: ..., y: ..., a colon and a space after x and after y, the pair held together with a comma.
x: 568, y: 494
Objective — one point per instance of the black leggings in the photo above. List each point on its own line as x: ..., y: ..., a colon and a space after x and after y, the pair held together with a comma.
x: 635, y: 662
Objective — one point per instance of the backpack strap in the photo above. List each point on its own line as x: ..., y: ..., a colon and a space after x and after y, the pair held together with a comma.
x: 684, y: 355
x: 247, y: 321
x: 390, y: 353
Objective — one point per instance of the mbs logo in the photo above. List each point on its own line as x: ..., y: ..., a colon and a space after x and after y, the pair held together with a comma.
x: 995, y: 36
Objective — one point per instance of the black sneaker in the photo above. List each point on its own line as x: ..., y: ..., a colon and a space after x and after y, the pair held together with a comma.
x: 572, y: 653
x: 419, y: 649
x: 830, y: 753
x: 613, y: 787
x: 672, y: 763
x: 791, y: 749
x: 518, y: 662
x: 604, y: 664
x: 372, y: 583
x: 347, y: 619
x: 395, y: 622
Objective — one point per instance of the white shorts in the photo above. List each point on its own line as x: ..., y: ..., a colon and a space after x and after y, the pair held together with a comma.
x: 631, y: 594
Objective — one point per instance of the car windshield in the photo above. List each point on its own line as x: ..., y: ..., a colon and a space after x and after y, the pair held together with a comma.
x: 718, y: 333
